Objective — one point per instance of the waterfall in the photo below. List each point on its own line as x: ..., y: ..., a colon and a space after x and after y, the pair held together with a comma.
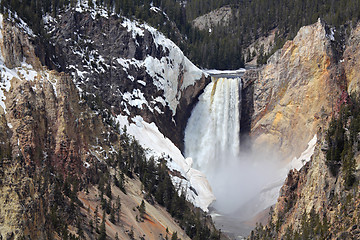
x: 213, y: 130
x: 244, y: 183
x: 212, y: 135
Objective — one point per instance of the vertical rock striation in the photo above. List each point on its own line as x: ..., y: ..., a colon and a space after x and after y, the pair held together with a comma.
x: 295, y: 92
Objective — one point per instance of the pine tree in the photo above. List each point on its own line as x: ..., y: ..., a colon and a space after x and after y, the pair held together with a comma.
x: 112, y: 215
x: 96, y: 217
x: 118, y: 208
x: 174, y: 236
x: 102, y: 230
x: 142, y: 209
x: 108, y: 190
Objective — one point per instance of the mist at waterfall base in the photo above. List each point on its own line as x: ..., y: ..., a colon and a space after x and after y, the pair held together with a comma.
x: 212, y: 139
x: 238, y: 185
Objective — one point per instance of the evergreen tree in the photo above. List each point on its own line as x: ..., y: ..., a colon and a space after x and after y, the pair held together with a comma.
x: 174, y: 236
x: 102, y: 230
x: 142, y: 209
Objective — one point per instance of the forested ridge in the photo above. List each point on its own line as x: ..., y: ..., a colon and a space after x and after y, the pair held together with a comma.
x: 223, y: 47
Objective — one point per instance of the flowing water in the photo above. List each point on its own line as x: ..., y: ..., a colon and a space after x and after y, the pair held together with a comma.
x: 213, y: 130
x: 212, y: 140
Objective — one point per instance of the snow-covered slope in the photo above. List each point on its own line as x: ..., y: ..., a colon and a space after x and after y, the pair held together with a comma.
x: 161, y: 59
x: 166, y: 70
x: 192, y: 181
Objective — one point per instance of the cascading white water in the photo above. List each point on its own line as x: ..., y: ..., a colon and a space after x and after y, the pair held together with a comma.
x: 244, y: 183
x: 212, y: 140
x: 213, y: 130
x: 212, y: 137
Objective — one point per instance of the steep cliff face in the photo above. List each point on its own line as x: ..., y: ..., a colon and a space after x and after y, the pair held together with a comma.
x: 351, y: 60
x: 315, y: 202
x: 295, y: 92
x: 310, y: 188
x: 130, y: 66
x: 130, y: 71
x: 47, y: 127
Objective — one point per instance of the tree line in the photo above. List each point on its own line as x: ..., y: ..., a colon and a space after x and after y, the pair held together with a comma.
x: 223, y: 46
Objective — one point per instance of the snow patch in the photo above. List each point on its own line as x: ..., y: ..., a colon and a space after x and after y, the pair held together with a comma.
x: 166, y: 71
x: 86, y: 164
x: 141, y: 82
x: 151, y: 138
x: 95, y: 10
x: 135, y: 99
x: 331, y: 35
x: 298, y: 163
x: 134, y: 28
x: 225, y: 72
x: 155, y: 9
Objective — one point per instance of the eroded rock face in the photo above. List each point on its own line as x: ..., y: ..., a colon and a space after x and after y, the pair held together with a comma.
x: 314, y: 188
x: 129, y: 68
x: 50, y: 126
x: 47, y: 129
x: 295, y: 92
x: 351, y: 61
x: 217, y: 17
x: 303, y: 191
x: 15, y: 46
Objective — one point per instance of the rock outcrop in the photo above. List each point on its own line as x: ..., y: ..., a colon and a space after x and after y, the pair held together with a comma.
x: 313, y: 195
x: 218, y: 17
x: 295, y: 92
x: 57, y: 139
x: 351, y: 60
x: 46, y: 126
x: 130, y: 67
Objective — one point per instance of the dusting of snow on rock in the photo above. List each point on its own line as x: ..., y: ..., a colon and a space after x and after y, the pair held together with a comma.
x: 166, y: 71
x: 23, y: 72
x: 19, y: 23
x: 331, y: 35
x: 159, y: 146
x: 95, y: 10
x: 170, y: 71
x: 133, y: 27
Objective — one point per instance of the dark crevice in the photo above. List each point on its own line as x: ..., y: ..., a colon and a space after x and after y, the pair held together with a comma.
x: 247, y: 110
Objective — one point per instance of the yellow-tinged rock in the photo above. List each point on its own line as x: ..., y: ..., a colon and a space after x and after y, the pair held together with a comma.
x: 295, y: 93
